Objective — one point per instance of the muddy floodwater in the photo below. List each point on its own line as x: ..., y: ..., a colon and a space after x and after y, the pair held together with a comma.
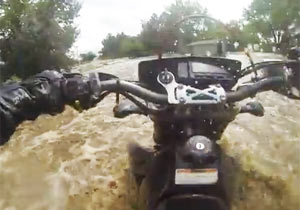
x: 77, y: 161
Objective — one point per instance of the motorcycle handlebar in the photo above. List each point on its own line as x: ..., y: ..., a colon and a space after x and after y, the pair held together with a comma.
x: 143, y: 93
x: 124, y: 86
x: 251, y: 90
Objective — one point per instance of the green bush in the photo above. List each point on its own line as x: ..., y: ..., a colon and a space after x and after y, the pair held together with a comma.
x: 122, y: 45
x: 86, y: 57
x: 36, y: 35
x: 132, y: 47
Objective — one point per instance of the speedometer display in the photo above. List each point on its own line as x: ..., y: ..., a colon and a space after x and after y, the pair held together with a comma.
x: 183, y: 70
x: 198, y: 67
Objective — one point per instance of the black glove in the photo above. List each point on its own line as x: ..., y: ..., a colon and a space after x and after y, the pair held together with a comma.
x: 16, y: 105
x: 47, y: 92
x: 86, y: 90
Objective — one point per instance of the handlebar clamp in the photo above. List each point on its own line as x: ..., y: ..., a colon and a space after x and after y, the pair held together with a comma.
x: 184, y: 94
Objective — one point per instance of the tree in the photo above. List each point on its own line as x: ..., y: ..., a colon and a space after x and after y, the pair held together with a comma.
x: 85, y: 57
x: 132, y: 47
x: 122, y: 45
x: 156, y: 36
x: 270, y: 21
x: 160, y: 33
x: 235, y: 33
x: 36, y: 35
x: 112, y: 45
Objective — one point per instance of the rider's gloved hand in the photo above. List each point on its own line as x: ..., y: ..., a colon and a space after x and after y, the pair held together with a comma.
x: 85, y: 90
x: 47, y: 92
x: 52, y: 90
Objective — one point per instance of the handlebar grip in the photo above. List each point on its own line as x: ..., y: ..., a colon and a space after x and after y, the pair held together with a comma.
x: 248, y: 91
x: 124, y: 86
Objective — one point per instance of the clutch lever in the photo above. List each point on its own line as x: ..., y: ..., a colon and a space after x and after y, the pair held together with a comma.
x: 126, y: 108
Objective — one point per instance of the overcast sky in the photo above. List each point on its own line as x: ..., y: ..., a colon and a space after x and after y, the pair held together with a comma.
x: 100, y: 17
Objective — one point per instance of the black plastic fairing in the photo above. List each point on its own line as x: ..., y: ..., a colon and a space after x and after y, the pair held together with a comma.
x: 198, y: 72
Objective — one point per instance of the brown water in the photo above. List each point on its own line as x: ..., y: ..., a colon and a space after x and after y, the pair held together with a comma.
x: 77, y: 160
x: 268, y: 150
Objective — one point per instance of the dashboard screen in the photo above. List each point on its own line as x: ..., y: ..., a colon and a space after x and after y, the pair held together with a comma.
x: 183, y: 70
x: 198, y: 67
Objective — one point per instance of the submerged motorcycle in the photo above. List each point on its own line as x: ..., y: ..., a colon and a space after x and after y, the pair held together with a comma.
x: 190, y: 100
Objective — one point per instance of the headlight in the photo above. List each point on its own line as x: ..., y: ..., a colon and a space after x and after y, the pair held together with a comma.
x: 197, y: 148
